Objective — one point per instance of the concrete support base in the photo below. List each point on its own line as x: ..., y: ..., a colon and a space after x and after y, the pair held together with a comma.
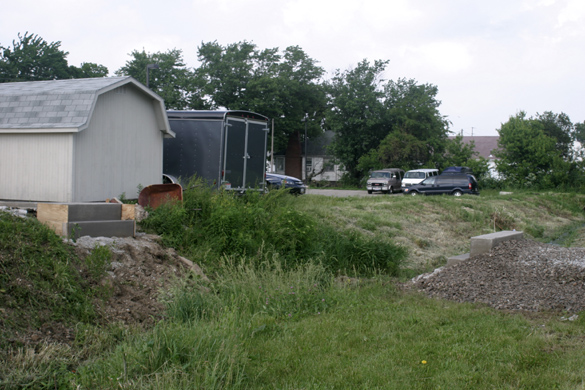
x: 484, y: 244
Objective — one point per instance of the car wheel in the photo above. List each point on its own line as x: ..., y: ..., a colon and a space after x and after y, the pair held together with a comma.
x: 391, y: 190
x: 369, y: 192
x: 413, y: 193
x: 457, y: 193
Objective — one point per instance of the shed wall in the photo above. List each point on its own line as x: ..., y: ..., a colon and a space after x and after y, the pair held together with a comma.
x: 36, y: 167
x: 120, y: 150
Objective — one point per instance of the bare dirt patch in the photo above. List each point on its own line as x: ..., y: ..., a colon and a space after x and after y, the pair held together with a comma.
x: 518, y: 275
x: 140, y: 268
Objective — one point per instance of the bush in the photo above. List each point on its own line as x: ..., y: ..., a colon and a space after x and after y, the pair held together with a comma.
x: 351, y: 252
x: 211, y: 224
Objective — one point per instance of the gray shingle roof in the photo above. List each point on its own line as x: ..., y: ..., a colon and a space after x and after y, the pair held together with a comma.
x: 53, y: 104
x: 485, y: 146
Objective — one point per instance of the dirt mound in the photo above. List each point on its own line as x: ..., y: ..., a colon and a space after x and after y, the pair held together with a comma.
x: 515, y: 275
x: 139, y: 269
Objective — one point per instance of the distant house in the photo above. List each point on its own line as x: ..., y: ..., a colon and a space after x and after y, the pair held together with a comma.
x: 486, y: 147
x: 79, y: 140
x: 318, y: 164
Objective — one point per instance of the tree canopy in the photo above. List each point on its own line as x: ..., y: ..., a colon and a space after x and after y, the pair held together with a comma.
x: 356, y: 113
x: 530, y: 154
x: 172, y: 80
x: 284, y: 86
x: 31, y: 58
x: 396, y: 124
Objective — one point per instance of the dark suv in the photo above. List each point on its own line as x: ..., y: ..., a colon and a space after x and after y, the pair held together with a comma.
x: 451, y: 184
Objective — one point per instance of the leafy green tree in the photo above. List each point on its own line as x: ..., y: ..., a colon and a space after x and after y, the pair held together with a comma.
x: 227, y: 71
x: 283, y: 86
x: 414, y: 109
x: 579, y: 132
x: 457, y: 152
x: 172, y: 81
x: 31, y: 58
x: 88, y: 70
x: 356, y: 114
x: 397, y: 149
x: 560, y: 128
x: 530, y: 157
x: 379, y: 126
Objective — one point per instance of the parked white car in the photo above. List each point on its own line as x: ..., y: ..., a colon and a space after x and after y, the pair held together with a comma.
x: 415, y: 176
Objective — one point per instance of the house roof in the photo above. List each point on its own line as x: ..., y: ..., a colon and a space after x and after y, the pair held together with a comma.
x: 62, y: 105
x: 318, y: 146
x: 484, y: 145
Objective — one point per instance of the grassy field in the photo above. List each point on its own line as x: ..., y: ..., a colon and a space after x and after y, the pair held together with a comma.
x: 435, y: 228
x: 263, y: 322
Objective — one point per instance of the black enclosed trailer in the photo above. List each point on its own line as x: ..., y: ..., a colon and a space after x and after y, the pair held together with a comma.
x: 226, y: 148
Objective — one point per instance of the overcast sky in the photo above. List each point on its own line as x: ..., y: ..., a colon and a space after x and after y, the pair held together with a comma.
x: 489, y: 59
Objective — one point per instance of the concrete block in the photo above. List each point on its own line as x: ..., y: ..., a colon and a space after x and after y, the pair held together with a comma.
x: 100, y: 229
x: 484, y: 243
x: 80, y: 212
x: 457, y: 259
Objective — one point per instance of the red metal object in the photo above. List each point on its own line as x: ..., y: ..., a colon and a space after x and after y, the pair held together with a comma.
x: 156, y: 195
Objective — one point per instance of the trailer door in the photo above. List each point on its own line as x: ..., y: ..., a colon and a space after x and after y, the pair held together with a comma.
x: 235, y: 153
x: 245, y: 154
x: 256, y: 154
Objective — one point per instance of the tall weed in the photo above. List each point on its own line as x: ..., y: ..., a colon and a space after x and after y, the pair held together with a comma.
x: 226, y: 224
x: 269, y: 289
x: 172, y: 355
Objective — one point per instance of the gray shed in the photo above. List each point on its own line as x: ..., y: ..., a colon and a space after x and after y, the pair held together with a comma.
x: 79, y: 140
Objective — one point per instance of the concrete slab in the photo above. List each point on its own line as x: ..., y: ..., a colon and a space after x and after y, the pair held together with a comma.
x: 456, y: 259
x: 484, y: 243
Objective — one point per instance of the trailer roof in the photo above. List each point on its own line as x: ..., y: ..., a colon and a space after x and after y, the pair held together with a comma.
x: 220, y: 114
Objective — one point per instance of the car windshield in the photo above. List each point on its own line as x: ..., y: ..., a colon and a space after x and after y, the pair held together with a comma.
x: 379, y: 175
x: 414, y: 175
x: 430, y: 180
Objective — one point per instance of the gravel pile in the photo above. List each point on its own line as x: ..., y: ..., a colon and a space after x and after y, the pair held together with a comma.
x: 515, y: 275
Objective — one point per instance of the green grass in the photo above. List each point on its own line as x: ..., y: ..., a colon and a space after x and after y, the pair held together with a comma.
x: 43, y: 287
x: 370, y: 336
x: 280, y: 311
x: 210, y: 225
x: 379, y: 339
x: 41, y: 280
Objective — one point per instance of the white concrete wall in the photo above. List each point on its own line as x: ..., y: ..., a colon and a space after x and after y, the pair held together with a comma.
x: 36, y: 167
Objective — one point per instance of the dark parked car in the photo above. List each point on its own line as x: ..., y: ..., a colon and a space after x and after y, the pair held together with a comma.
x: 276, y: 181
x: 450, y: 184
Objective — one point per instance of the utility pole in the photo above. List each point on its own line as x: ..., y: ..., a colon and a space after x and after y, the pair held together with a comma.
x: 305, y: 119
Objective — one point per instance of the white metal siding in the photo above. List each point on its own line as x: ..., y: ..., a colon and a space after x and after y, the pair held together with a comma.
x: 36, y: 167
x: 120, y: 150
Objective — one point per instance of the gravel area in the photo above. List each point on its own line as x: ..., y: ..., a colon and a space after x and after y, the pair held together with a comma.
x: 516, y: 275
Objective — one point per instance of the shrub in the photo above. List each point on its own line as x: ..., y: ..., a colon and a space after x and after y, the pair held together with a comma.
x: 210, y: 225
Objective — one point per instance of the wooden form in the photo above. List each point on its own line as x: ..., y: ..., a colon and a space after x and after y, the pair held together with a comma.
x: 104, y: 219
